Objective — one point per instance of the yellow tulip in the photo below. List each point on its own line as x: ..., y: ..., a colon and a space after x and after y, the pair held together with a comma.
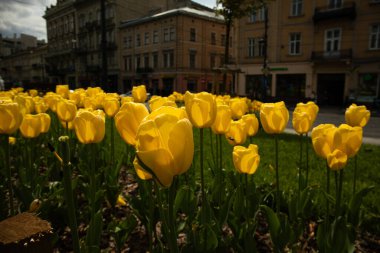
x: 76, y: 98
x: 111, y: 106
x: 93, y: 91
x: 141, y: 173
x: 310, y: 108
x: 69, y: 125
x: 238, y: 107
x: 10, y: 117
x: 251, y: 124
x: 180, y: 113
x: 66, y: 110
x: 201, y: 109
x: 51, y: 99
x: 256, y: 105
x: 45, y: 122
x: 33, y: 92
x: 90, y: 103
x: 349, y: 139
x: 139, y: 94
x: 41, y: 107
x: 157, y: 102
x: 246, y: 160
x: 121, y: 201
x: 357, y: 115
x: 128, y: 119
x: 31, y: 126
x: 274, y: 117
x: 322, y: 137
x: 165, y: 145
x: 62, y: 90
x: 26, y: 103
x: 337, y: 160
x: 237, y: 134
x: 12, y: 140
x: 222, y: 121
x: 89, y: 127
x: 301, y: 122
x: 126, y: 100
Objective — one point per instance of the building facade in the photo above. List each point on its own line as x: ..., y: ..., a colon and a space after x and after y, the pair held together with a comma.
x: 173, y: 50
x: 328, y: 50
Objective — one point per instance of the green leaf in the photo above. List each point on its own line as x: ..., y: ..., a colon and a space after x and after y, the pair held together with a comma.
x: 355, y: 204
x: 94, y: 232
x: 273, y: 222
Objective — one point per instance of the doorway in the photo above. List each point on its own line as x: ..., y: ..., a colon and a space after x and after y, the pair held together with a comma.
x: 330, y: 89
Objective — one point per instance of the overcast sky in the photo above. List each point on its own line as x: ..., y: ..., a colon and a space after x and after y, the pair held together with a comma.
x: 25, y: 16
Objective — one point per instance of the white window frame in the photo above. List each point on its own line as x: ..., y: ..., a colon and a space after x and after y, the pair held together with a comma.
x: 257, y: 15
x: 376, y: 36
x: 251, y: 47
x: 296, y: 8
x: 332, y: 40
x: 295, y: 43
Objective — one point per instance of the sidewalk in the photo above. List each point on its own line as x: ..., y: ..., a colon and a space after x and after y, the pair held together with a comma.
x: 371, y: 132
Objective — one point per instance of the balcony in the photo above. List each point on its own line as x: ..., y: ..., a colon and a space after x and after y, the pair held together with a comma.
x: 144, y: 70
x: 332, y: 56
x: 93, y: 68
x: 347, y: 10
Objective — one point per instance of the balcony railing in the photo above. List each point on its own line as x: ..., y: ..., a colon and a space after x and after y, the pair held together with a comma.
x: 347, y: 10
x: 327, y: 56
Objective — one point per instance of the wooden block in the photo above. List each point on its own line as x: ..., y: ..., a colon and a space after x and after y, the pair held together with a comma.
x: 25, y: 232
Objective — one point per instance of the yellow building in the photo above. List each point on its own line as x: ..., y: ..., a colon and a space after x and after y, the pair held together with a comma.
x: 327, y: 50
x: 173, y: 50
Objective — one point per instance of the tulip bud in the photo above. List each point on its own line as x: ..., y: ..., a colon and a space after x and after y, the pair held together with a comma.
x: 201, y: 109
x: 357, y: 115
x: 274, y: 117
x: 139, y: 94
x: 251, y: 124
x: 31, y: 126
x: 66, y: 110
x: 111, y: 106
x: 246, y: 160
x: 222, y: 121
x: 238, y: 107
x: 89, y: 127
x: 62, y: 90
x: 10, y: 117
x: 237, y: 134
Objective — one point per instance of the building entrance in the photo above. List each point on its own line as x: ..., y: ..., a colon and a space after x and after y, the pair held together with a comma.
x: 330, y: 89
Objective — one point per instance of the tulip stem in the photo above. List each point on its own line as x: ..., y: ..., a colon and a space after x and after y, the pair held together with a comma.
x: 203, y: 210
x: 355, y: 175
x: 9, y: 173
x: 112, y: 144
x: 92, y: 179
x: 300, y: 169
x: 69, y: 196
x: 307, y: 161
x: 220, y: 169
x: 328, y: 192
x: 171, y: 221
x: 339, y: 192
x: 277, y: 177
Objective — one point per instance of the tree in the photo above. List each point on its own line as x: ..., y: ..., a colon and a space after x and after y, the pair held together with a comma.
x: 231, y: 10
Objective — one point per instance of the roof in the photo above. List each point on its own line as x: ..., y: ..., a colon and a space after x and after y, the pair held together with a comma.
x: 180, y: 11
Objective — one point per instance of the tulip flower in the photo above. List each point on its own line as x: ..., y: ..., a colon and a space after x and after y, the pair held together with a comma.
x: 45, y: 122
x: 349, y: 139
x: 201, y: 109
x: 238, y: 107
x: 141, y: 173
x: 33, y: 92
x: 128, y: 119
x: 111, y: 106
x: 246, y: 160
x: 89, y: 127
x: 66, y: 110
x: 121, y: 201
x: 76, y: 98
x: 310, y: 108
x: 165, y: 145
x: 139, y: 94
x: 26, y: 103
x: 357, y: 115
x: 10, y: 117
x: 157, y: 102
x: 41, y: 107
x: 274, y: 117
x: 31, y: 126
x: 12, y: 140
x: 322, y: 137
x: 237, y: 134
x: 337, y: 160
x: 62, y: 90
x: 93, y: 91
x: 301, y: 122
x: 51, y: 99
x: 180, y: 113
x: 222, y: 121
x: 251, y: 124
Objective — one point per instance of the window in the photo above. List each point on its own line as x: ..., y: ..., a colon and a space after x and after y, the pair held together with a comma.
x: 332, y: 40
x: 334, y: 4
x: 137, y: 61
x: 138, y: 40
x: 257, y: 15
x: 223, y: 39
x: 128, y: 63
x: 155, y: 60
x: 155, y: 37
x: 374, y: 37
x: 192, y: 59
x: 129, y: 42
x: 146, y: 38
x: 192, y: 34
x: 146, y: 60
x: 213, y: 38
x: 212, y: 61
x: 172, y: 34
x: 255, y: 47
x: 296, y: 7
x: 295, y: 44
x: 166, y: 34
x: 168, y: 58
